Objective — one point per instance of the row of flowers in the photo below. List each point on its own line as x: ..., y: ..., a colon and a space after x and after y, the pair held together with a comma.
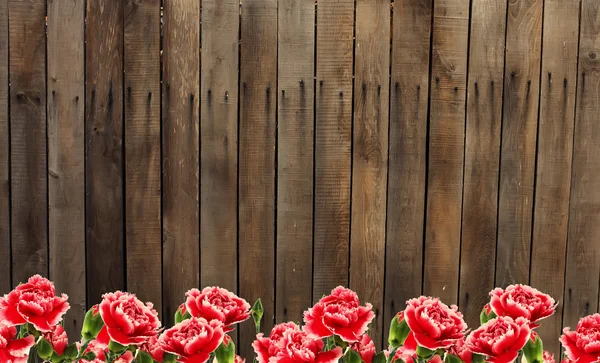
x: 122, y: 329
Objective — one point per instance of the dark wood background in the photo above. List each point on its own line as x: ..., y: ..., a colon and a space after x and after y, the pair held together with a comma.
x: 279, y: 148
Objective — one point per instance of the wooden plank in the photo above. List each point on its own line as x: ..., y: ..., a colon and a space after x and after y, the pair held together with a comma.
x: 554, y: 156
x: 219, y: 133
x: 407, y: 154
x: 519, y: 127
x: 446, y: 148
x: 583, y: 246
x: 296, y: 27
x: 66, y: 155
x: 104, y: 148
x: 180, y: 103
x: 258, y: 100
x: 142, y: 150
x: 5, y: 284
x: 482, y: 150
x: 29, y: 223
x: 333, y: 145
x: 370, y: 156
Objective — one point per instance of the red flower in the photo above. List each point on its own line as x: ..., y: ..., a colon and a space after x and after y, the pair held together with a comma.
x: 154, y: 348
x: 58, y: 338
x: 522, y: 301
x: 14, y: 350
x: 365, y: 347
x: 193, y: 339
x: 266, y: 348
x: 127, y: 319
x: 548, y: 357
x: 500, y: 339
x: 238, y: 359
x: 461, y: 350
x: 217, y: 303
x: 291, y: 345
x: 583, y: 344
x: 433, y: 323
x: 339, y: 313
x: 34, y: 302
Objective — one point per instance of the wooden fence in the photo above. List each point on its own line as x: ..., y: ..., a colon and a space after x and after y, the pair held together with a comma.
x: 279, y: 148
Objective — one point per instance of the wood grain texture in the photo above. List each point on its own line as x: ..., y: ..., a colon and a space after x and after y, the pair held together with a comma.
x: 66, y: 156
x: 482, y: 150
x: 29, y: 221
x: 554, y: 156
x: 219, y: 142
x: 104, y: 148
x: 295, y: 158
x: 583, y: 246
x: 407, y: 154
x: 370, y: 155
x: 5, y: 283
x: 142, y: 150
x: 258, y: 107
x: 333, y: 145
x: 519, y: 126
x: 446, y: 148
x: 180, y: 138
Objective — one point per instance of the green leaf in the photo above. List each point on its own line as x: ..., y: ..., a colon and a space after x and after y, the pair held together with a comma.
x: 478, y: 358
x: 353, y: 357
x: 398, y: 332
x: 451, y: 358
x: 44, y: 349
x: 71, y: 351
x: 225, y: 353
x: 143, y: 357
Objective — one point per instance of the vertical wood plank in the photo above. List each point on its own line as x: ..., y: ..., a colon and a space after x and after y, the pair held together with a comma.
x: 333, y: 144
x: 258, y: 100
x: 6, y: 282
x: 583, y: 246
x: 446, y: 148
x: 29, y: 223
x: 104, y: 148
x: 219, y: 128
x: 66, y: 155
x: 482, y: 150
x: 554, y: 156
x: 180, y: 107
x: 370, y: 156
x: 519, y: 127
x: 296, y: 27
x: 407, y: 154
x: 142, y: 150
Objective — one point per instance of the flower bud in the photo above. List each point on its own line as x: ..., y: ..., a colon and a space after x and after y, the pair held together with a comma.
x: 44, y: 349
x: 487, y: 314
x: 398, y: 331
x: 92, y: 324
x: 534, y: 350
x: 225, y: 353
